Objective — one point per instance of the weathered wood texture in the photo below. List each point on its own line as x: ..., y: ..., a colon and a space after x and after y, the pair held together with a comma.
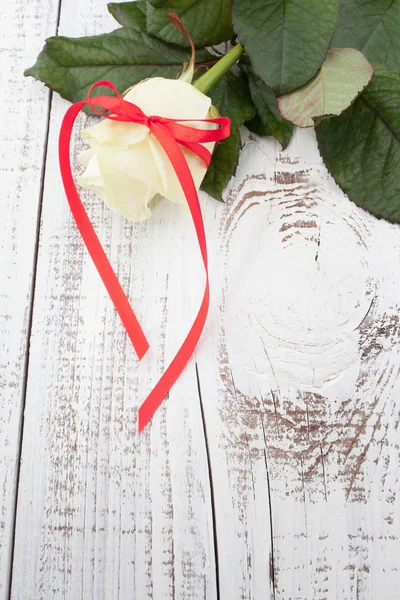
x: 24, y: 114
x: 272, y: 471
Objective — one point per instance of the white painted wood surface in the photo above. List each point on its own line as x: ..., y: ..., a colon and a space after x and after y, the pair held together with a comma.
x: 272, y: 471
x: 24, y: 116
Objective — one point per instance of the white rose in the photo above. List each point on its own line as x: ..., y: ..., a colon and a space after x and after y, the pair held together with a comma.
x: 126, y: 165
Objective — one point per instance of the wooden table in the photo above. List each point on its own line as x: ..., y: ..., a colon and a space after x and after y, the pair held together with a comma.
x: 272, y: 471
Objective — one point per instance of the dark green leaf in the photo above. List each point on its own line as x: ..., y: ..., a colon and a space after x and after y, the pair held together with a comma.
x: 171, y: 3
x: 223, y: 166
x: 232, y: 98
x: 257, y: 125
x: 125, y: 56
x: 361, y: 147
x: 208, y: 22
x: 130, y: 14
x: 372, y: 27
x: 286, y: 40
x: 267, y: 121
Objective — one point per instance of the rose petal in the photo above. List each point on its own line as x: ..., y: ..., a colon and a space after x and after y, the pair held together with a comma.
x: 85, y: 157
x: 116, y: 133
x: 170, y: 98
x: 126, y: 194
x: 136, y: 161
x: 172, y: 187
x: 91, y: 178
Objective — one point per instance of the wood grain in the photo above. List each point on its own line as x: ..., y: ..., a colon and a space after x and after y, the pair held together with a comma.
x: 24, y: 109
x: 307, y: 382
x: 105, y: 512
x: 272, y: 471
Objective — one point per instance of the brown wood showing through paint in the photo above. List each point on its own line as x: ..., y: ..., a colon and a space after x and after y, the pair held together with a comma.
x: 272, y: 469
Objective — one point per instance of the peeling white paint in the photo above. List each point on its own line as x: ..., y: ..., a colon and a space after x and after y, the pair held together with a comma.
x: 273, y: 468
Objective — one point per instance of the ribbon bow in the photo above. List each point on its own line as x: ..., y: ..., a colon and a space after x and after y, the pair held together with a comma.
x: 171, y: 134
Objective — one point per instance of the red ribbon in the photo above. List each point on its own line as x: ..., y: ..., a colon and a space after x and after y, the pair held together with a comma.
x: 171, y: 134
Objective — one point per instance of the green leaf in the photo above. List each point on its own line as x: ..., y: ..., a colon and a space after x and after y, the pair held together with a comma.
x: 361, y: 147
x: 125, y: 56
x: 170, y: 3
x: 343, y: 75
x: 373, y: 27
x: 257, y: 125
x: 223, y: 166
x: 129, y: 14
x: 267, y: 121
x: 231, y: 97
x: 207, y: 21
x: 286, y: 40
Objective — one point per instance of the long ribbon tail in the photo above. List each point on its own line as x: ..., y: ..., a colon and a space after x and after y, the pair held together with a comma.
x: 178, y: 161
x: 91, y: 240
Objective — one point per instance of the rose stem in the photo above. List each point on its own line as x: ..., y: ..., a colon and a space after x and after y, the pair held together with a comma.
x: 206, y: 81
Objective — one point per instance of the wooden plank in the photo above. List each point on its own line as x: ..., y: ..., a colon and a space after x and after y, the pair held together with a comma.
x: 281, y: 437
x: 24, y: 108
x: 302, y: 406
x: 105, y: 512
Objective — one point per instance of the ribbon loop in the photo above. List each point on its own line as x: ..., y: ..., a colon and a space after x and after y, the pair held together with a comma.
x: 108, y: 103
x: 172, y: 135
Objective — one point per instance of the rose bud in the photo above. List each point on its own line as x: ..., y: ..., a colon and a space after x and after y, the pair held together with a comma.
x: 126, y: 165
